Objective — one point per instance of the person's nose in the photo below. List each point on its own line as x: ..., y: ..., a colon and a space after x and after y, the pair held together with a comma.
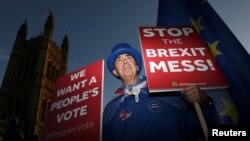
x: 125, y: 61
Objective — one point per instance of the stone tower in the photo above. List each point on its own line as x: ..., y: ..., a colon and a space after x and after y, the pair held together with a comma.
x: 30, y: 77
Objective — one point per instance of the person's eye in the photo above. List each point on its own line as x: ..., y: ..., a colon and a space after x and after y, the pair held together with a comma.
x: 118, y: 60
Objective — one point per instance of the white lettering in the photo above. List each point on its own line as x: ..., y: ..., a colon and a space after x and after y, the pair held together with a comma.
x: 163, y: 32
x: 65, y: 116
x: 148, y: 32
x: 78, y: 75
x: 175, y: 52
x: 72, y: 88
x: 200, y: 65
x: 173, y: 66
x: 160, y: 31
x: 178, y: 66
x: 172, y: 41
x: 92, y: 80
x: 187, y: 66
x: 70, y: 100
x: 216, y: 132
x: 154, y: 66
x: 95, y: 92
x: 175, y: 32
x: 187, y: 31
x: 151, y: 53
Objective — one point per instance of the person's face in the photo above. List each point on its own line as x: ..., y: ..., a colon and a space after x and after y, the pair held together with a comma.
x: 125, y: 66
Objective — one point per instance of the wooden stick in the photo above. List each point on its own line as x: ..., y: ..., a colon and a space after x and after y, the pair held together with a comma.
x: 201, y: 119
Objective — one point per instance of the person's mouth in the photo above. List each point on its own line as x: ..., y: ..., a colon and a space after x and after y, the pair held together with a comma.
x: 126, y: 67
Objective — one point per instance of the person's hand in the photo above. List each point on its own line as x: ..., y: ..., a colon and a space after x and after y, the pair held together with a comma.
x: 194, y: 94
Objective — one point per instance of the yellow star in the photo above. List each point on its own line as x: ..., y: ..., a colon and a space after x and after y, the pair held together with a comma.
x: 229, y: 110
x: 213, y: 48
x: 197, y: 24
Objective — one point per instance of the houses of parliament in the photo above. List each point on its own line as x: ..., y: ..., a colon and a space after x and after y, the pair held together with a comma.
x: 29, y: 80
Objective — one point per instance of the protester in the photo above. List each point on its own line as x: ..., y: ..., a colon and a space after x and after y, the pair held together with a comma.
x: 134, y: 114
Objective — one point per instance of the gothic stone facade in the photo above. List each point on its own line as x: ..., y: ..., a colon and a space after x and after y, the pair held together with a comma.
x: 30, y: 77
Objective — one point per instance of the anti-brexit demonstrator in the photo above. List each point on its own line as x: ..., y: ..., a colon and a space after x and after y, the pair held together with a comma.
x: 136, y: 114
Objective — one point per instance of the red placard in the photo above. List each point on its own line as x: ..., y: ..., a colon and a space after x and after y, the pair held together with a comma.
x: 76, y: 108
x: 176, y: 57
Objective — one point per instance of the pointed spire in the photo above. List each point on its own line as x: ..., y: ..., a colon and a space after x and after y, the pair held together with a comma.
x: 50, y: 11
x: 65, y: 51
x: 24, y: 26
x: 65, y: 42
x: 23, y: 29
x: 22, y: 32
x: 65, y: 38
x: 49, y: 25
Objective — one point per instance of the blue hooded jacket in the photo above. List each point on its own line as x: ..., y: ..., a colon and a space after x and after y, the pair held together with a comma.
x: 158, y: 118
